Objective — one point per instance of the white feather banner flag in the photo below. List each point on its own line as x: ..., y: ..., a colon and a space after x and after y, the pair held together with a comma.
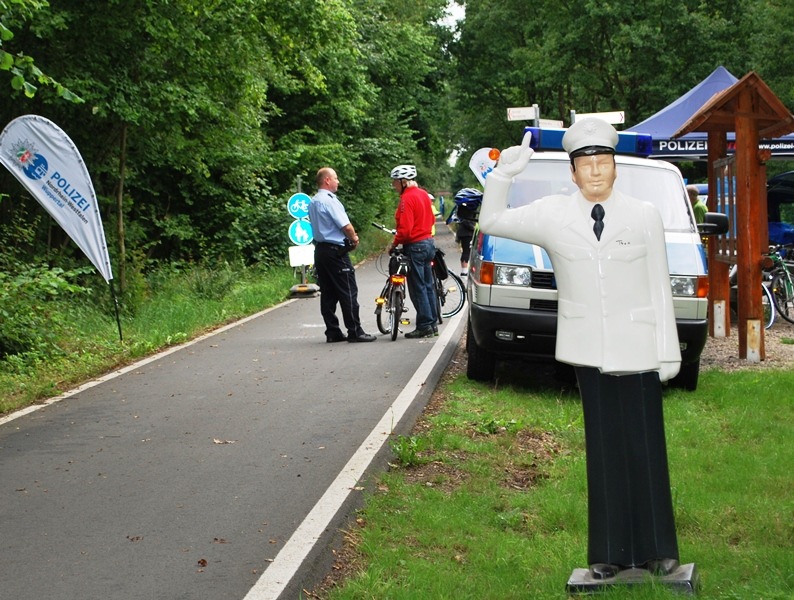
x: 43, y: 158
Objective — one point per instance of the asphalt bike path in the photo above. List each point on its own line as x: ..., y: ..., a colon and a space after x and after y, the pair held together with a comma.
x: 219, y: 469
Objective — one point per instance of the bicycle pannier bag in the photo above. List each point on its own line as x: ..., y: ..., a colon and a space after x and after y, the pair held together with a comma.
x: 439, y: 265
x: 394, y: 264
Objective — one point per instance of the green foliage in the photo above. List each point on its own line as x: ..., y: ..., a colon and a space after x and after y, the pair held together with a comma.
x: 407, y: 450
x: 209, y: 112
x: 491, y: 426
x: 601, y: 56
x: 211, y: 284
x: 30, y: 319
x: 21, y: 67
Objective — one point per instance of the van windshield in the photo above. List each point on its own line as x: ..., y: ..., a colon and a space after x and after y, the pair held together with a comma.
x: 659, y: 186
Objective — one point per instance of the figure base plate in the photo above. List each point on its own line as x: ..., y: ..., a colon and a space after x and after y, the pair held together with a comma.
x: 684, y: 579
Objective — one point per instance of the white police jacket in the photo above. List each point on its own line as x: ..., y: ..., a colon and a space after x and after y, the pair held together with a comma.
x: 615, y: 305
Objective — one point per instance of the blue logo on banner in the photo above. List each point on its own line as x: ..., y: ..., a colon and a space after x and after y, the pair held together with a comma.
x: 298, y: 206
x: 300, y: 232
x: 35, y: 166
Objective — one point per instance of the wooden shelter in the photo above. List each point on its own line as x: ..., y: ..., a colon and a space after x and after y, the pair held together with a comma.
x: 737, y: 185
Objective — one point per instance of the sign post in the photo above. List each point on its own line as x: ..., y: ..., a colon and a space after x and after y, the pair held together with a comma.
x: 524, y: 113
x: 300, y: 233
x: 617, y: 117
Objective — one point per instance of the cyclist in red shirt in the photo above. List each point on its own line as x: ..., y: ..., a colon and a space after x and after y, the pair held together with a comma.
x: 414, y: 220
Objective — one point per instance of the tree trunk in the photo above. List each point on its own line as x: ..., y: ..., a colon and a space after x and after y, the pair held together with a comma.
x: 120, y: 210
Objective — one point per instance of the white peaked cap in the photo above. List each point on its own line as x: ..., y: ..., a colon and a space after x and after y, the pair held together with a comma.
x: 590, y: 136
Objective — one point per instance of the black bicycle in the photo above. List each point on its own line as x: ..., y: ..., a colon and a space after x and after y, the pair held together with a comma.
x: 782, y: 281
x: 449, y: 288
x: 390, y: 304
x: 450, y: 291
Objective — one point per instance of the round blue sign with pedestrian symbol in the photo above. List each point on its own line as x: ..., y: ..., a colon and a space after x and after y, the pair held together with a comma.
x: 300, y: 232
x: 298, y: 206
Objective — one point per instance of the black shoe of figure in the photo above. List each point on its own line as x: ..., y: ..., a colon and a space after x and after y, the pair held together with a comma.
x: 435, y: 330
x: 603, y: 570
x: 362, y: 337
x: 662, y: 566
x: 420, y: 333
x: 332, y: 339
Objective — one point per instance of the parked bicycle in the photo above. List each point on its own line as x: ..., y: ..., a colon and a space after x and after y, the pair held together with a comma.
x: 390, y: 304
x: 450, y: 291
x: 782, y: 284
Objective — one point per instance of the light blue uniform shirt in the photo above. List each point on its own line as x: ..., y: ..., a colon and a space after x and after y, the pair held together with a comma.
x: 328, y: 216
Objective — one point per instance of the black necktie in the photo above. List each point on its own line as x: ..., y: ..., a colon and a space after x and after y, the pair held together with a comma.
x: 598, y: 216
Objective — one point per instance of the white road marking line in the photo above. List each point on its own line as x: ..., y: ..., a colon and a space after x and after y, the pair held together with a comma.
x: 287, y: 562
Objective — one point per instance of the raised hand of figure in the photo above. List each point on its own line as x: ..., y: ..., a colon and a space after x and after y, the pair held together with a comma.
x: 513, y: 160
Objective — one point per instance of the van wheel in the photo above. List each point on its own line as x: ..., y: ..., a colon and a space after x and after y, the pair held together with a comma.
x: 481, y: 364
x: 687, y: 377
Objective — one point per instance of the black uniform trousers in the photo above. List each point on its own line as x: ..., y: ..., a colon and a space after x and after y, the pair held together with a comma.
x: 337, y: 280
x: 630, y: 506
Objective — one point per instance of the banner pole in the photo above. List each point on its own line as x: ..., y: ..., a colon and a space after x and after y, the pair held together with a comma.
x: 116, y: 306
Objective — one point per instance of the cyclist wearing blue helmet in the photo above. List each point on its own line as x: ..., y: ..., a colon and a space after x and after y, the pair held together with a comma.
x: 467, y: 206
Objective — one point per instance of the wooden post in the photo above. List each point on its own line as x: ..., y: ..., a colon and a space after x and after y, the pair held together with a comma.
x: 719, y: 286
x: 752, y: 110
x: 749, y: 244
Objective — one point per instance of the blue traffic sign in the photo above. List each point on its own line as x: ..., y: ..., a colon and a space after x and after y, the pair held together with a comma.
x: 300, y: 232
x: 298, y: 206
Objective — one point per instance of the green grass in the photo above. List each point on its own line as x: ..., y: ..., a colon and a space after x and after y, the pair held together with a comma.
x: 495, y: 506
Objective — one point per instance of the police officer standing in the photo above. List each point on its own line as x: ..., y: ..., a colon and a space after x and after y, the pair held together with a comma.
x: 335, y: 237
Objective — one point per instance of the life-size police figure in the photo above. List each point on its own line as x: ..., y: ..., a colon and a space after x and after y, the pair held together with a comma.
x: 616, y: 326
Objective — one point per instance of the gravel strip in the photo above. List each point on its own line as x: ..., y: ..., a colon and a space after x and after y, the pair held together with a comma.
x: 723, y: 353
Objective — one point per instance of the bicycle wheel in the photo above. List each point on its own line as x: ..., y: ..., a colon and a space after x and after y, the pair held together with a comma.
x: 452, y: 296
x: 439, y: 290
x: 383, y: 311
x: 396, y: 311
x: 769, y: 307
x: 783, y: 296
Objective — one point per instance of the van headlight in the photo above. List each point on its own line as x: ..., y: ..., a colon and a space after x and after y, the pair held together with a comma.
x: 684, y: 286
x: 513, y: 275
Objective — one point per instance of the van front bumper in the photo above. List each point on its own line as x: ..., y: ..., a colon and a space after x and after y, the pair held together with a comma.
x: 533, y: 334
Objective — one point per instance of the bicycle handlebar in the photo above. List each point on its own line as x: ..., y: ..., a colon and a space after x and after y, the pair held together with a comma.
x: 384, y: 228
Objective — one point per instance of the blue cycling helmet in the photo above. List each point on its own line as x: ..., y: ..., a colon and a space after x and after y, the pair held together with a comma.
x: 468, y: 195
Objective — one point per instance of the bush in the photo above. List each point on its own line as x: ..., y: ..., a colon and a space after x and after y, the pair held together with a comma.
x: 29, y: 319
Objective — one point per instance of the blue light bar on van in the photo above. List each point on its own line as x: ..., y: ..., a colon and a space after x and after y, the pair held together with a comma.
x: 636, y: 144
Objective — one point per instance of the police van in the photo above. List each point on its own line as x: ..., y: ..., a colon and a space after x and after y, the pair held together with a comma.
x: 511, y: 287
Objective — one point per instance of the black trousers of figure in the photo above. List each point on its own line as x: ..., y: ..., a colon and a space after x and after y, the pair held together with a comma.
x: 337, y: 280
x: 630, y: 506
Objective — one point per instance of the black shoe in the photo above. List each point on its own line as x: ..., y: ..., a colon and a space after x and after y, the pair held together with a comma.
x: 603, y: 570
x: 435, y: 330
x: 363, y: 337
x: 332, y: 339
x: 662, y: 566
x: 420, y: 333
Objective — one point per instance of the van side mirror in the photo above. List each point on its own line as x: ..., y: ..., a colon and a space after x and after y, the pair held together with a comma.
x: 715, y: 224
